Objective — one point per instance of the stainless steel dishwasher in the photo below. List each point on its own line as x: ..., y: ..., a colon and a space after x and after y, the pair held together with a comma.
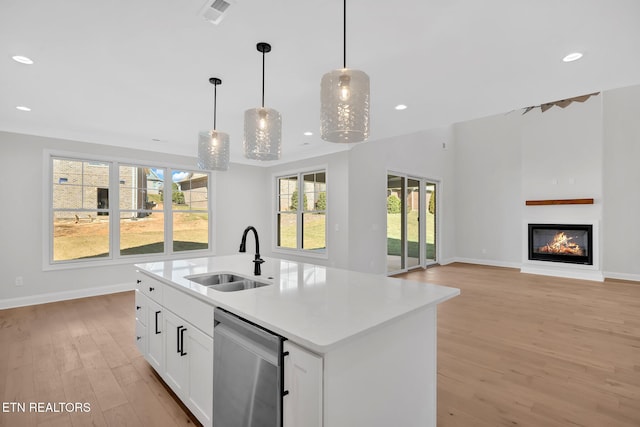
x: 247, y: 373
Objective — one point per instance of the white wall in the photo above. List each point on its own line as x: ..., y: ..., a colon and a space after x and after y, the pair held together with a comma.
x: 488, y: 194
x: 587, y: 150
x: 420, y: 154
x: 240, y: 201
x: 239, y: 204
x: 621, y: 214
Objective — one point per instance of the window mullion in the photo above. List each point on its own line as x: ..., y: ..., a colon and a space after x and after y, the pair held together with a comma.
x: 114, y: 210
x: 299, y: 213
x: 168, y: 211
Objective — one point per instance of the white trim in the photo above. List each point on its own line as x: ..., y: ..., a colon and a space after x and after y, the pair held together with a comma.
x: 64, y: 295
x: 622, y: 276
x: 594, y: 275
x: 487, y: 262
x: 574, y: 271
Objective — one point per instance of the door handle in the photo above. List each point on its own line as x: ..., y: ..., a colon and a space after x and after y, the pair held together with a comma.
x: 178, y: 350
x: 182, y: 352
x: 157, y: 331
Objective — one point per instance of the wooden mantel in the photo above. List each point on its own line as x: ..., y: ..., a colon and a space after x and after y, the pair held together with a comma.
x: 559, y: 202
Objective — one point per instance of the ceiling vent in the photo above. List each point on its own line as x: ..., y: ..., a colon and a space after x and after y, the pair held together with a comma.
x: 214, y: 10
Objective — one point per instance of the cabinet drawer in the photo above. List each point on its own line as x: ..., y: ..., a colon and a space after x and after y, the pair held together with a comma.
x: 197, y: 312
x: 142, y: 308
x: 149, y: 287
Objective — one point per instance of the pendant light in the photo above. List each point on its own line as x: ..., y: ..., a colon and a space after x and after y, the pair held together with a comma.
x: 344, y: 97
x: 262, y: 126
x: 213, y: 146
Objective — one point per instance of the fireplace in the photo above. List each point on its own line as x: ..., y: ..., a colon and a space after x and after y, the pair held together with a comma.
x: 567, y: 243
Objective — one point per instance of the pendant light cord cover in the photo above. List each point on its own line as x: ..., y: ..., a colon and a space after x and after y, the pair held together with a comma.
x: 344, y: 35
x: 215, y: 98
x: 263, y: 79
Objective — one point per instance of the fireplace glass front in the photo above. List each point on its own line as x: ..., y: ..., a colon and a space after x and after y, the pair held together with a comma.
x: 569, y: 243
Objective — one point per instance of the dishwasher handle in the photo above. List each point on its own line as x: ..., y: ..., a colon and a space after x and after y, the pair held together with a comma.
x: 244, y: 328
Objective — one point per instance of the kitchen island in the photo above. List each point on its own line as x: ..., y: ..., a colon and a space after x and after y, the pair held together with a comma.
x: 369, y: 341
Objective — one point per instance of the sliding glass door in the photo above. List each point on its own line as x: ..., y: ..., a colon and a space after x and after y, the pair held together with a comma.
x: 395, y: 223
x: 411, y: 222
x: 412, y: 218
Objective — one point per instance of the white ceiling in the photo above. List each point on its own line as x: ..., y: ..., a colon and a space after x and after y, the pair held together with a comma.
x: 126, y: 72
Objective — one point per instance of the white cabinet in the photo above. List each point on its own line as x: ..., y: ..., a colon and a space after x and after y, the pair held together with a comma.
x: 302, y: 406
x: 155, y: 335
x: 171, y: 326
x: 199, y: 392
x: 175, y: 360
x: 188, y: 367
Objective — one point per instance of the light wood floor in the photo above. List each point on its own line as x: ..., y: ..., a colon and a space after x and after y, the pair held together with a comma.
x: 513, y: 349
x: 81, y: 351
x: 524, y: 350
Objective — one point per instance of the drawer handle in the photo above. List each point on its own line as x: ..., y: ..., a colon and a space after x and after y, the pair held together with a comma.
x: 138, y: 281
x: 138, y: 307
x: 138, y: 338
x: 152, y: 289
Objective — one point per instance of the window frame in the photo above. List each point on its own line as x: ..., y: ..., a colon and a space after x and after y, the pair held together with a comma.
x: 299, y: 250
x: 114, y: 257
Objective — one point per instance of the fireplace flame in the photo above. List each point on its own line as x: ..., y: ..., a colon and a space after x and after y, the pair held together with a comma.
x: 562, y: 245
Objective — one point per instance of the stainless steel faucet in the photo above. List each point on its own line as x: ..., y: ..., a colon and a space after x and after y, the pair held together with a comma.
x: 243, y: 248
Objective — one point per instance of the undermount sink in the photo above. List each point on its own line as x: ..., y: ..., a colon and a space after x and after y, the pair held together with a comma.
x: 226, y: 282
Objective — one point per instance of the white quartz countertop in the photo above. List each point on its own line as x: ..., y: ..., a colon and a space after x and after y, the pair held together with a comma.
x: 317, y: 307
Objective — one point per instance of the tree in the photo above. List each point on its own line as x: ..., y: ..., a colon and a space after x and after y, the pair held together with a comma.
x: 394, y: 204
x: 294, y: 201
x: 177, y: 196
x: 432, y: 203
x: 321, y: 204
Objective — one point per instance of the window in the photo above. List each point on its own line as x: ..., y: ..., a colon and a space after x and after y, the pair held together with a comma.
x: 80, y: 230
x: 301, y: 218
x: 116, y: 210
x: 190, y: 202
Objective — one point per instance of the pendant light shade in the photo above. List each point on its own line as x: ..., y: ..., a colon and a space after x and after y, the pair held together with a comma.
x: 344, y: 98
x: 213, y: 146
x: 262, y: 126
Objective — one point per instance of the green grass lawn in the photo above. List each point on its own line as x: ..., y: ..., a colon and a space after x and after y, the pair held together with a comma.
x: 394, y: 236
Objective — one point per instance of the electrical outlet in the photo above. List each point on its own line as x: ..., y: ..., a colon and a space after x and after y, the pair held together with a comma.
x: 19, y: 281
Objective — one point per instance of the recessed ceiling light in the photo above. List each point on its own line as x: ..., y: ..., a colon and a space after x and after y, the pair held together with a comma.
x: 572, y: 57
x: 307, y: 133
x: 22, y: 59
x: 23, y: 108
x: 400, y: 107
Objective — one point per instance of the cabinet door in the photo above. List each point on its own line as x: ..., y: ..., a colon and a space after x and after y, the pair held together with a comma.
x: 302, y: 407
x: 175, y: 354
x: 199, y: 349
x: 141, y: 337
x: 155, y: 336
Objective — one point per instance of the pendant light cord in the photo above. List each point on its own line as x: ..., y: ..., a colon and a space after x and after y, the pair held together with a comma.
x: 344, y: 38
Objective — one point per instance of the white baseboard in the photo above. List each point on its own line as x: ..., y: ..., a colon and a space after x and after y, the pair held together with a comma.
x: 488, y: 262
x: 593, y: 275
x: 622, y: 276
x: 64, y: 295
